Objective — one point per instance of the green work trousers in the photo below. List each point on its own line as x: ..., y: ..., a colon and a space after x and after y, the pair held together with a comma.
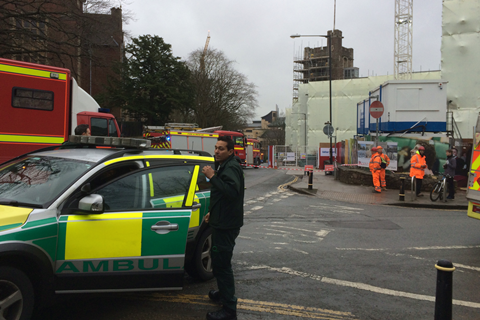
x: 223, y: 242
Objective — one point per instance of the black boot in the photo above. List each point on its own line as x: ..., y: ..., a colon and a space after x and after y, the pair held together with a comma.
x: 222, y: 314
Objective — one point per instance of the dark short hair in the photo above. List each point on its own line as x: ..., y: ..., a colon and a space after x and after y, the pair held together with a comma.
x: 81, y: 129
x: 228, y: 140
x: 449, y: 150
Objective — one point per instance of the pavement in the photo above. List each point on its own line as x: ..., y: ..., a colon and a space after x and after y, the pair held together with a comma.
x: 326, y: 187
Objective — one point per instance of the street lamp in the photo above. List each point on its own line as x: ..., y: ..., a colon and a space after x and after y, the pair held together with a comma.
x: 329, y: 37
x: 305, y: 115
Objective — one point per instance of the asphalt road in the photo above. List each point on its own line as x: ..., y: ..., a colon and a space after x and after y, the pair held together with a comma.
x: 301, y: 257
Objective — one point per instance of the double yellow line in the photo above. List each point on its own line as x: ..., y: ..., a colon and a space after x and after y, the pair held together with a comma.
x: 252, y: 305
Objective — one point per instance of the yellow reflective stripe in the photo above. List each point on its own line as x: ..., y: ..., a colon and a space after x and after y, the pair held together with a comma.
x: 183, y: 157
x: 112, y: 235
x: 32, y: 72
x: 13, y: 215
x: 31, y: 139
x: 150, y: 179
x: 179, y: 133
x: 238, y: 148
x: 476, y: 164
x: 105, y: 216
x: 195, y: 218
x: 191, y: 190
x: 124, y: 159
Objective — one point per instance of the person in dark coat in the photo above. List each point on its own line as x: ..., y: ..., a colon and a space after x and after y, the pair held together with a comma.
x: 450, y: 167
x: 225, y: 217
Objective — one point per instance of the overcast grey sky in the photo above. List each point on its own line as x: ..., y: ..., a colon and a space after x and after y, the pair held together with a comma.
x: 255, y: 34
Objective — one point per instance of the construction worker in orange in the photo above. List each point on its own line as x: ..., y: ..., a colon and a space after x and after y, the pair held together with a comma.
x: 375, y: 168
x: 385, y: 163
x: 417, y: 169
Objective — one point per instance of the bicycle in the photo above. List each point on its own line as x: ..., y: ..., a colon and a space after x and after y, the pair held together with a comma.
x: 439, y: 190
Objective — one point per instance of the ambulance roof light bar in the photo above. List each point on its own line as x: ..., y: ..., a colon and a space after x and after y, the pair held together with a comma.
x: 112, y: 141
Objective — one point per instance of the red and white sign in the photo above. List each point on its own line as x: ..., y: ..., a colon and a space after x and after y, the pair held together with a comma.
x: 376, y: 109
x: 329, y: 167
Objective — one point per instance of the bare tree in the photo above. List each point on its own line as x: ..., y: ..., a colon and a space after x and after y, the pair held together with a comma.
x: 223, y: 96
x: 54, y: 32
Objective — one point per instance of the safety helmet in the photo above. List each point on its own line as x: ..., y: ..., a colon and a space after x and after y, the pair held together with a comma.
x: 421, y: 148
x: 374, y: 148
x: 379, y: 148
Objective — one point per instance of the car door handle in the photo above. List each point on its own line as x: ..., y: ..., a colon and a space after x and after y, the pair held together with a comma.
x: 196, y: 205
x: 163, y: 227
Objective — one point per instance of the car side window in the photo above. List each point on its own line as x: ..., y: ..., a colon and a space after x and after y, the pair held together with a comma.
x: 169, y: 185
x: 202, y: 183
x: 156, y: 188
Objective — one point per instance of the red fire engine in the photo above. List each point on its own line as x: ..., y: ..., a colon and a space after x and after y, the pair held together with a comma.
x: 41, y: 106
x: 168, y: 138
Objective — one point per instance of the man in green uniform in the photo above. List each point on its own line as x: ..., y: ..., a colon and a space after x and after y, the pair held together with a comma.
x: 225, y: 218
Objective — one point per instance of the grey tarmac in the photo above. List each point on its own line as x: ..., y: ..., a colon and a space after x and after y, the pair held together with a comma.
x: 304, y: 257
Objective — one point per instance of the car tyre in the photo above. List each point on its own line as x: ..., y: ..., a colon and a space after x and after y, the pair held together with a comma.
x: 16, y: 294
x: 201, y: 266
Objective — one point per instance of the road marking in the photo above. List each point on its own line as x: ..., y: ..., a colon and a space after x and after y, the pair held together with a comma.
x: 257, y: 208
x: 410, y: 248
x: 304, y: 252
x: 276, y: 200
x: 337, y: 209
x: 251, y: 305
x: 362, y: 286
x: 457, y: 265
x: 250, y: 201
x: 247, y: 213
x: 283, y: 187
x: 321, y: 233
x: 260, y: 198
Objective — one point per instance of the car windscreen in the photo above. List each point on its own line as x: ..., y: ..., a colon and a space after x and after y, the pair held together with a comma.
x: 34, y: 181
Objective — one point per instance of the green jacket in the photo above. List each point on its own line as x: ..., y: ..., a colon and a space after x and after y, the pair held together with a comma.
x: 226, y: 195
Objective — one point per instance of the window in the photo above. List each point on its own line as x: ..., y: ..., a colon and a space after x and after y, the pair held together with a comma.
x: 203, y: 184
x: 112, y: 129
x: 99, y: 127
x: 158, y: 188
x: 238, y: 141
x: 32, y: 99
x: 32, y: 35
x: 36, y: 181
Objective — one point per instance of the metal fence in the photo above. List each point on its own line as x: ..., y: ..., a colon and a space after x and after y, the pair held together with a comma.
x: 300, y: 156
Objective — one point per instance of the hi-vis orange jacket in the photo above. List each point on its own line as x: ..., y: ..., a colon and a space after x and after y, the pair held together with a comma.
x: 375, y: 162
x: 416, y: 163
x: 385, y: 158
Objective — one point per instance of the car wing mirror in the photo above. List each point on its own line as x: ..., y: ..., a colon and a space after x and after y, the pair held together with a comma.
x: 91, y: 204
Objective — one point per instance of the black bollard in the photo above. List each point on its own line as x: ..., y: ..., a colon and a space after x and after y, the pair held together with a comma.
x: 443, y: 297
x: 310, y: 180
x: 401, y: 194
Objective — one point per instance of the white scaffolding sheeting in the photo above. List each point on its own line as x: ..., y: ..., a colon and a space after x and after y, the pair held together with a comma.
x: 460, y: 62
x: 313, y: 100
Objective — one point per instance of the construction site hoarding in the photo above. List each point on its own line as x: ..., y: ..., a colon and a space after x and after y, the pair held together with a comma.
x: 460, y: 63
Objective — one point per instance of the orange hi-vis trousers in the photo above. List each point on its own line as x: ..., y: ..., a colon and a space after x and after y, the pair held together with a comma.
x: 382, y: 178
x: 376, y: 180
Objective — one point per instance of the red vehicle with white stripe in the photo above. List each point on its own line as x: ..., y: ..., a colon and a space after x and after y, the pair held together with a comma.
x: 41, y: 106
x: 196, y: 140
